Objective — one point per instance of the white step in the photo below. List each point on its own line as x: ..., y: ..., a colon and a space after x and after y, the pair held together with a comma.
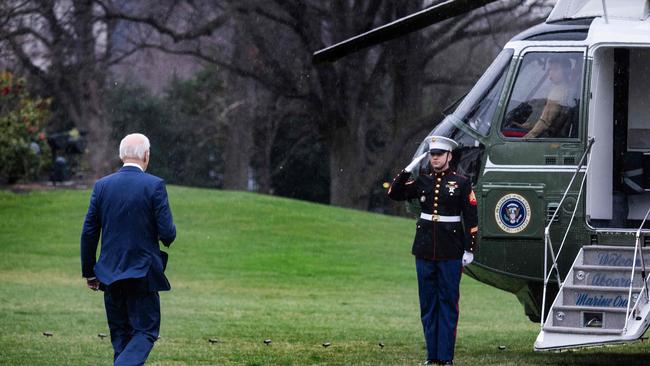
x: 551, y: 341
x: 597, y: 296
x: 606, y: 276
x: 593, y: 331
x: 588, y: 318
x: 613, y: 256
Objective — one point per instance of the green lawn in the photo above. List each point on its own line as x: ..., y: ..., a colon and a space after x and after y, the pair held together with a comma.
x: 245, y: 268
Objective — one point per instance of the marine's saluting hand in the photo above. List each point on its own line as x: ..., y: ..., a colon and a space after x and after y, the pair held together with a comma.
x: 409, y: 168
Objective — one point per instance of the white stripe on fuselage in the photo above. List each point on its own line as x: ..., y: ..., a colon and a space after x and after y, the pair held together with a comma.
x: 491, y: 167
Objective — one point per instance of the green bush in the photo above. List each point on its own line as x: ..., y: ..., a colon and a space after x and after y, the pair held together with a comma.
x: 24, y: 152
x: 182, y: 125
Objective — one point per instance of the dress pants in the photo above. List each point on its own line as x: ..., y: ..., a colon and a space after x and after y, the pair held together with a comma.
x: 133, y: 314
x: 438, y: 285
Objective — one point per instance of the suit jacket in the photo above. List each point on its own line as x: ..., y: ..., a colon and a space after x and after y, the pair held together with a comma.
x: 131, y: 211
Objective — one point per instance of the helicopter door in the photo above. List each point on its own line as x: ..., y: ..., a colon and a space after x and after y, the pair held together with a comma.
x: 618, y: 182
x: 538, y: 147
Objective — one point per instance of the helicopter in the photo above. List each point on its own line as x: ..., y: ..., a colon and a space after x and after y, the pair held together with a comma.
x: 556, y: 140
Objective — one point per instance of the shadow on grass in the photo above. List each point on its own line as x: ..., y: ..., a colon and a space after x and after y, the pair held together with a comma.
x: 635, y: 355
x: 614, y: 355
x: 596, y: 359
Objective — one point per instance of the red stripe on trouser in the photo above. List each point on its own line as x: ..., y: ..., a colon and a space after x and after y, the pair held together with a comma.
x: 457, y: 302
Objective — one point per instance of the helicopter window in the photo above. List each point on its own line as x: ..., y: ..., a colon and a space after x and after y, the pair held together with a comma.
x: 477, y: 108
x: 545, y: 99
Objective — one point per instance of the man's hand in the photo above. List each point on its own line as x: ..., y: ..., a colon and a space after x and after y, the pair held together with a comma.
x: 92, y: 283
x: 468, y: 258
x: 409, y: 168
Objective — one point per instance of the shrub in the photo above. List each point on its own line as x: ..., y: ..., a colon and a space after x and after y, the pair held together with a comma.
x: 24, y: 152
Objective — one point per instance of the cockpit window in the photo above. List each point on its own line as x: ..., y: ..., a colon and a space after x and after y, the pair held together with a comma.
x: 471, y: 117
x: 546, y: 97
x: 477, y: 108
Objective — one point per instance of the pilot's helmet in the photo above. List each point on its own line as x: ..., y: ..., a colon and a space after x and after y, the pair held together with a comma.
x: 439, y: 144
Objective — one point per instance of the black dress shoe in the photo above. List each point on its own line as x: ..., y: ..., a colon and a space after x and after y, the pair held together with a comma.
x: 447, y: 363
x: 432, y: 362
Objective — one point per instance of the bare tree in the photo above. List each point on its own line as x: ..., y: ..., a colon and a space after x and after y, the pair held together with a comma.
x: 368, y: 107
x: 69, y: 46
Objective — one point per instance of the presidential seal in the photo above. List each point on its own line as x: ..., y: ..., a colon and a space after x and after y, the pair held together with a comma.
x: 512, y: 213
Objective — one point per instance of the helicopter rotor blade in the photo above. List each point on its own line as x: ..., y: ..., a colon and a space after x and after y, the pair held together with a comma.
x: 397, y: 28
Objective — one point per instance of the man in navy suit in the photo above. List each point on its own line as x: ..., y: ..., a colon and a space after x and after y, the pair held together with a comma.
x: 131, y: 211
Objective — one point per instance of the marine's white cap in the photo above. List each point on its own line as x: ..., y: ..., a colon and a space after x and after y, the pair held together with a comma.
x: 439, y: 144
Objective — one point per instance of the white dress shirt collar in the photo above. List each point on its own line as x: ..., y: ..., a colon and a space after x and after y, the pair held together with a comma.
x: 133, y: 164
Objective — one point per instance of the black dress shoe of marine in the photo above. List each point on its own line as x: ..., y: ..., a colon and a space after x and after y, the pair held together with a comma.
x: 447, y: 363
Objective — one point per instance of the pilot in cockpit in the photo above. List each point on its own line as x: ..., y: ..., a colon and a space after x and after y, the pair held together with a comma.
x: 554, y: 119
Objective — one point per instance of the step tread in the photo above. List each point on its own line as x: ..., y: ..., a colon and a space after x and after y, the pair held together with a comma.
x: 597, y: 331
x: 590, y: 308
x: 612, y: 247
x: 608, y: 268
x: 602, y: 288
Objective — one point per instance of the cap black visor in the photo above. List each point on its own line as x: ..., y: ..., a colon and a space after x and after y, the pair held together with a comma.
x: 437, y: 151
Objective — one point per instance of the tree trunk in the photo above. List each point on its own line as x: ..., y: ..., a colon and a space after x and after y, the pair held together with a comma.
x: 264, y: 139
x: 347, y: 172
x: 237, y: 147
x: 102, y: 152
x: 238, y: 139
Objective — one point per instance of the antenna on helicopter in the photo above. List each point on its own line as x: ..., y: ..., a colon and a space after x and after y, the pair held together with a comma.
x: 397, y: 28
x: 605, y: 12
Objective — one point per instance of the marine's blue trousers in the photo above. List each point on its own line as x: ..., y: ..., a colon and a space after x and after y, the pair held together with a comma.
x: 438, y: 285
x: 133, y: 314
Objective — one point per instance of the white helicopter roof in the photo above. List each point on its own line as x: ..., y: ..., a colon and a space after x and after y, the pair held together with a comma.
x: 619, y: 31
x: 627, y: 22
x: 615, y: 9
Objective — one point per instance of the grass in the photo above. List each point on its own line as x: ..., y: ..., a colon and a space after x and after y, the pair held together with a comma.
x: 245, y: 268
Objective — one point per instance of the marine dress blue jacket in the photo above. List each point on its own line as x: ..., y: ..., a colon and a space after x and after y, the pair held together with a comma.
x: 445, y: 194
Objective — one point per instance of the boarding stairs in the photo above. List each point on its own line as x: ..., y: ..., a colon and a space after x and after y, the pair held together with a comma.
x: 604, y: 299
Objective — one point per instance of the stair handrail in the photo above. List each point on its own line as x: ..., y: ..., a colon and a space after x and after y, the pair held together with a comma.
x: 637, y: 247
x: 638, y: 243
x: 548, y: 245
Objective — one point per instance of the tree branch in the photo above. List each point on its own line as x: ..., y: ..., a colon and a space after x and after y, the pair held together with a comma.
x: 200, y: 31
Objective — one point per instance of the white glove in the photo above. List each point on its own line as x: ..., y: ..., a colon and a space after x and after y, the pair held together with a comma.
x: 415, y: 162
x: 467, y: 258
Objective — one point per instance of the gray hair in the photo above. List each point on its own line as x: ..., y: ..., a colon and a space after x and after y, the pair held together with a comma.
x: 134, y: 146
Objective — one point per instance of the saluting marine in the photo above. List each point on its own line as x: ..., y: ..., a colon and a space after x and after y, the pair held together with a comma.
x: 444, y: 242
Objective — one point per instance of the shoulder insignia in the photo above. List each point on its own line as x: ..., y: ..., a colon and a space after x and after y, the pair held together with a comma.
x: 472, y: 198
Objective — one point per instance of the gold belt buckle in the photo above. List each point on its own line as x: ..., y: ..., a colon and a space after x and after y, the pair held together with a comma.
x: 435, y: 217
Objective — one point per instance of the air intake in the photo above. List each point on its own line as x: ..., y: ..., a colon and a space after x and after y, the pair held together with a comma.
x: 550, y: 210
x: 550, y: 160
x: 569, y: 160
